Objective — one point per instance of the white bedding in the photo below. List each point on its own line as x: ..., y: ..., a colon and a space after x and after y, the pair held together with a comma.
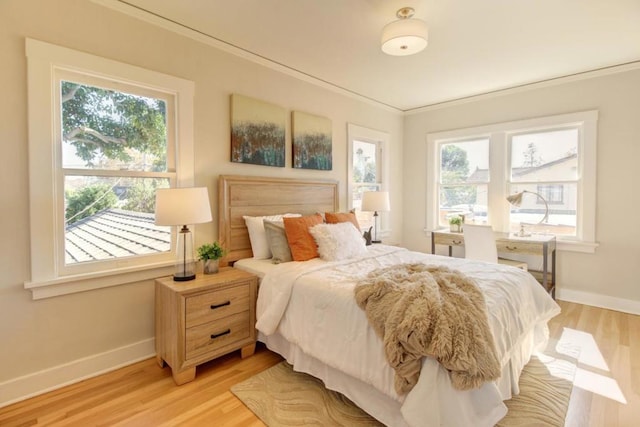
x: 308, y: 309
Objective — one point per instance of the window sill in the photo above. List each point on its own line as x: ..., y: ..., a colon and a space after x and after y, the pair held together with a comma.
x: 42, y: 289
x: 576, y: 246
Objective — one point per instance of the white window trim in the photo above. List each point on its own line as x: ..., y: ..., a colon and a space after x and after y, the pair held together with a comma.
x: 43, y: 59
x: 361, y: 133
x: 498, y: 155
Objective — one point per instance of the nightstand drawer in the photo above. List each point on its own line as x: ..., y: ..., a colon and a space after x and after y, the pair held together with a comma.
x: 212, y: 336
x: 211, y: 306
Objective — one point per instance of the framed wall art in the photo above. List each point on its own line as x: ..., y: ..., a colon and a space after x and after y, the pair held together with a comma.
x: 257, y: 132
x: 311, y: 141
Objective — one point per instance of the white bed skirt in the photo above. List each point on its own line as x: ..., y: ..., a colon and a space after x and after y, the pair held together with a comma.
x: 388, y: 410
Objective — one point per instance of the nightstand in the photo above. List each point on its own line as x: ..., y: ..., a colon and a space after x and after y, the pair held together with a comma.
x: 199, y: 320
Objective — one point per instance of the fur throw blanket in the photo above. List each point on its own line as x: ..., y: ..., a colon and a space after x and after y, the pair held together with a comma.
x: 420, y: 310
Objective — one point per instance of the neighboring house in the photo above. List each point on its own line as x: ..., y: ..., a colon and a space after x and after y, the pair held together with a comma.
x: 115, y: 233
x: 561, y: 197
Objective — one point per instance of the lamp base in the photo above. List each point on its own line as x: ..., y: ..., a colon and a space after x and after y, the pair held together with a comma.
x: 522, y: 232
x: 177, y: 278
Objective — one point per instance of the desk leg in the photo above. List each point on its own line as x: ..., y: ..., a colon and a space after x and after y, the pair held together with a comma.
x: 553, y: 273
x: 545, y: 267
x: 433, y: 244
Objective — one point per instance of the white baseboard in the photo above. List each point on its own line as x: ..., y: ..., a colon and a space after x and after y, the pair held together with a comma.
x: 30, y: 385
x: 598, y: 300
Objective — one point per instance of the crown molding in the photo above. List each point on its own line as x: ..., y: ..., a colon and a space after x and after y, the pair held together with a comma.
x: 585, y: 75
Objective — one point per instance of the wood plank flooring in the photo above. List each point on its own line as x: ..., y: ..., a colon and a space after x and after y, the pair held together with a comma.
x: 145, y: 395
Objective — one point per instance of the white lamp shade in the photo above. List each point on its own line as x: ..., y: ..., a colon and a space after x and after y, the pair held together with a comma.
x: 404, y: 37
x: 181, y: 206
x: 377, y: 201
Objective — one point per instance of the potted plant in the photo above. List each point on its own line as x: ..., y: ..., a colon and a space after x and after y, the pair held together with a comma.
x: 455, y: 224
x: 210, y: 254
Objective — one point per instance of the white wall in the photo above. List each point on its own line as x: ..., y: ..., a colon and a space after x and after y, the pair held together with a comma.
x: 47, y: 342
x: 611, y: 276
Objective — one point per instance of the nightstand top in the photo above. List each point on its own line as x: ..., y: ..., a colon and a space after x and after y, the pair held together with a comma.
x: 225, y: 276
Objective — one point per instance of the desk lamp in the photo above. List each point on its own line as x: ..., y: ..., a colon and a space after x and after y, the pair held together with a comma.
x: 516, y: 200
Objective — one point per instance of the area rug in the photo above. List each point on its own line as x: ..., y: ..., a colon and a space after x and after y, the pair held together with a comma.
x: 279, y: 396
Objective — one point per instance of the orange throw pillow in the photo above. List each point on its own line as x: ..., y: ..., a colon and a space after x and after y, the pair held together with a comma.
x: 303, y: 245
x: 337, y: 217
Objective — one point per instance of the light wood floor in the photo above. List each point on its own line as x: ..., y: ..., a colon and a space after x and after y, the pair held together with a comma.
x: 145, y: 395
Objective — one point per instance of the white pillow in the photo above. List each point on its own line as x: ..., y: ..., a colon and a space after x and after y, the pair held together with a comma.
x: 257, y: 235
x: 338, y: 241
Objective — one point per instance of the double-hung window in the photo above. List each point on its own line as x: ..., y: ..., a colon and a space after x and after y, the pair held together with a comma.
x: 366, y: 170
x: 552, y: 159
x: 103, y: 136
x: 545, y: 164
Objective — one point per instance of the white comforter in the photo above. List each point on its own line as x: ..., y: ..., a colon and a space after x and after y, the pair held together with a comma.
x: 312, y: 305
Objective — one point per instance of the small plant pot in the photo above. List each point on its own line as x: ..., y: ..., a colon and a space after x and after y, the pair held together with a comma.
x: 455, y: 228
x: 210, y: 266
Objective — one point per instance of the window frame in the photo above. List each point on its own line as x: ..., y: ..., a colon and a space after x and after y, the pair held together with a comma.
x: 380, y: 139
x: 499, y: 166
x: 47, y: 64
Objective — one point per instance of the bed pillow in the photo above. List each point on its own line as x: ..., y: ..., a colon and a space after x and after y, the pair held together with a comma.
x: 257, y: 235
x: 338, y: 241
x: 338, y: 217
x: 277, y: 239
x: 303, y: 245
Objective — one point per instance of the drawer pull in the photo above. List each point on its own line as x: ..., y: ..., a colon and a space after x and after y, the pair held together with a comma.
x: 512, y: 248
x: 214, y: 306
x: 214, y: 336
x: 457, y: 242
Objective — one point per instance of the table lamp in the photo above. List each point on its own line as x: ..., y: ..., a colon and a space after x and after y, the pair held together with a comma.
x: 375, y: 201
x: 516, y: 200
x: 182, y: 206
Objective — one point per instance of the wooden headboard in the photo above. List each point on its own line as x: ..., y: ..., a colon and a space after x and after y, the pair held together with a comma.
x: 240, y: 195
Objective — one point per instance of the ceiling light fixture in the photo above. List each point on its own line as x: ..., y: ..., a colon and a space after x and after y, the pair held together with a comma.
x: 405, y: 36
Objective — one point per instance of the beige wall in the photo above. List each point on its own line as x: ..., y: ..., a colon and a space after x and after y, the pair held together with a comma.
x: 611, y: 276
x: 36, y: 335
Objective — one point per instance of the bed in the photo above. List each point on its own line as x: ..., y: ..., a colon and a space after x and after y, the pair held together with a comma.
x: 307, y: 312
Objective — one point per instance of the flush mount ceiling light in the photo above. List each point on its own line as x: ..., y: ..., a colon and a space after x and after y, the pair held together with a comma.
x: 405, y: 36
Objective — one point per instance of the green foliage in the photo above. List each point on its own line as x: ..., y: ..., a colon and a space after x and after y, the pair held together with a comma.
x: 455, y: 220
x: 531, y: 157
x: 141, y: 196
x: 210, y: 251
x: 111, y: 129
x: 88, y: 201
x: 455, y: 170
x: 105, y: 124
x: 455, y: 165
x: 363, y: 169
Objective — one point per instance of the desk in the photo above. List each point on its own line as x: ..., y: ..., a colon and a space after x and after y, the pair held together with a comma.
x: 540, y: 245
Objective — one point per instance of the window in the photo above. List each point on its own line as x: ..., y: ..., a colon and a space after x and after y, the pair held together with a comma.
x: 546, y: 163
x: 103, y: 136
x: 472, y: 171
x: 464, y: 180
x: 366, y: 171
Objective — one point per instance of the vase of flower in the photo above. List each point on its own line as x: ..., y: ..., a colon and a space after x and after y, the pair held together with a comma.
x: 210, y: 266
x: 210, y: 254
x: 455, y: 224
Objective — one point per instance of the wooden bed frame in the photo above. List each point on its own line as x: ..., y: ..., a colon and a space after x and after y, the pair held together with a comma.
x: 240, y: 195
